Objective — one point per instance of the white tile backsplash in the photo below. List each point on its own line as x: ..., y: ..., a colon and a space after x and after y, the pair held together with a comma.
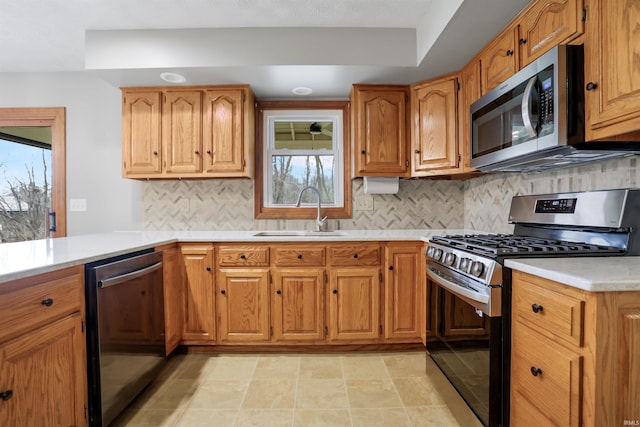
x: 479, y: 204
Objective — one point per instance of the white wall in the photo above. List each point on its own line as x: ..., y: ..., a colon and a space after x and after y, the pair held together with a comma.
x: 94, y: 135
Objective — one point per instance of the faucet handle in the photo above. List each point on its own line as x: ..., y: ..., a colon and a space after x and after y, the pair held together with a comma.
x: 322, y: 220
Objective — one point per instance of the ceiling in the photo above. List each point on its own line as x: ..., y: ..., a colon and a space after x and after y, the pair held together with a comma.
x: 274, y: 45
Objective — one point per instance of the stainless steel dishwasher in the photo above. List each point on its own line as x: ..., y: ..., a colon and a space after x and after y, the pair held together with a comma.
x: 125, y: 330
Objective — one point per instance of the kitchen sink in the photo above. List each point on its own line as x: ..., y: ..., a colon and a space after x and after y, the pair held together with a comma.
x: 297, y: 233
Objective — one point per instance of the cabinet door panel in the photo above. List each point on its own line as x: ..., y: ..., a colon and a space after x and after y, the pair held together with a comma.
x: 199, y: 324
x: 298, y: 305
x: 222, y: 131
x: 499, y: 60
x: 182, y: 132
x: 404, y: 274
x: 46, y: 370
x: 380, y: 130
x: 434, y: 108
x: 141, y: 150
x: 354, y: 304
x: 546, y: 24
x: 173, y: 298
x: 243, y: 305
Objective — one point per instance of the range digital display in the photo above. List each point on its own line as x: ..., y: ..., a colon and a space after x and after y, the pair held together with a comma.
x: 556, y: 206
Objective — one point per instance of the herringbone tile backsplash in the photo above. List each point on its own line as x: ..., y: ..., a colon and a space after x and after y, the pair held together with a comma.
x: 479, y: 204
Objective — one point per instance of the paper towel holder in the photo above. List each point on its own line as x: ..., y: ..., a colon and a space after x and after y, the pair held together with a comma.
x: 381, y: 185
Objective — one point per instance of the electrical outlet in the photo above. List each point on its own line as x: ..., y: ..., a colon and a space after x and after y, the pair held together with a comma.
x: 364, y: 203
x: 77, y: 205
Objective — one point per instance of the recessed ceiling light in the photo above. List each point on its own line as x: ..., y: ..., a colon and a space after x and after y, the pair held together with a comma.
x: 173, y: 77
x: 302, y: 90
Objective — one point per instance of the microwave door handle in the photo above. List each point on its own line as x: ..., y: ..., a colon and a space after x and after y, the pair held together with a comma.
x: 526, y: 106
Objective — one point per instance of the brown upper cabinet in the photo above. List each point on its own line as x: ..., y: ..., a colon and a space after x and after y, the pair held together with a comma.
x: 188, y: 132
x: 612, y: 95
x: 434, y: 127
x: 379, y: 118
x: 540, y: 26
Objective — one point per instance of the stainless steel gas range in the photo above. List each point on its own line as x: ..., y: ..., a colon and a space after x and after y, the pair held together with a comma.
x: 471, y: 267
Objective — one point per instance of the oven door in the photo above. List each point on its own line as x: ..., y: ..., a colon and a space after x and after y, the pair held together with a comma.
x: 467, y: 346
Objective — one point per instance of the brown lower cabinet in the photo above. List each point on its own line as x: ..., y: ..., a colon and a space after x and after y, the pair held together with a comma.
x: 302, y: 293
x: 574, y: 355
x: 43, y: 378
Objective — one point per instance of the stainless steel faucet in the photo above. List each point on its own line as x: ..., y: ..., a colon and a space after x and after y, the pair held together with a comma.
x: 319, y: 221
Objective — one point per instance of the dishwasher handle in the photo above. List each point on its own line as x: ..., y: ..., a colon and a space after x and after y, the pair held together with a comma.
x: 121, y: 278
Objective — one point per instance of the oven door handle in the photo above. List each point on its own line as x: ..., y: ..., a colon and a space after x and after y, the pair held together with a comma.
x: 116, y: 280
x: 454, y: 288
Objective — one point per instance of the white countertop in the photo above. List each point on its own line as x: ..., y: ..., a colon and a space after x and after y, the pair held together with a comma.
x: 595, y: 274
x: 23, y: 259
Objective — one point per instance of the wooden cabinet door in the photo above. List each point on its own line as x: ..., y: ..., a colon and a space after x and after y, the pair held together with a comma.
x: 298, y: 304
x: 45, y: 373
x: 434, y: 109
x: 354, y: 304
x: 182, y: 131
x: 380, y: 130
x: 243, y: 305
x: 199, y: 315
x: 469, y: 93
x: 547, y: 23
x: 404, y: 273
x: 223, y: 131
x: 611, y: 64
x: 499, y: 60
x: 173, y: 298
x: 141, y: 149
x: 459, y: 319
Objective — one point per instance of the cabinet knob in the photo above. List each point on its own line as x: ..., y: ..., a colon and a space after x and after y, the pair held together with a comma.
x: 208, y: 268
x: 208, y: 151
x: 6, y: 395
x: 279, y: 292
x: 417, y: 151
x: 223, y: 292
x: 509, y: 52
x: 522, y: 41
x: 47, y: 302
x: 536, y: 371
x: 391, y: 267
x: 591, y: 86
x: 299, y: 256
x: 355, y: 256
x: 155, y: 153
x: 197, y: 152
x: 335, y: 291
x: 243, y: 256
x: 536, y: 308
x: 363, y: 152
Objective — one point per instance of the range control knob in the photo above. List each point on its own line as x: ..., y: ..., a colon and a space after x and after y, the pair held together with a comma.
x: 449, y: 258
x: 477, y: 268
x: 437, y: 254
x: 430, y: 251
x: 465, y: 263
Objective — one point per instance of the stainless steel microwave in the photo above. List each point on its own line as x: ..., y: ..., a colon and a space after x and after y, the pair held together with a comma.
x: 535, y: 119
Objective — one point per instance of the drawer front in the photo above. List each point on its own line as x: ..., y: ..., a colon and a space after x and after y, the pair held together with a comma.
x: 42, y: 300
x: 299, y: 255
x: 546, y: 380
x: 234, y: 256
x: 355, y: 254
x: 549, y: 313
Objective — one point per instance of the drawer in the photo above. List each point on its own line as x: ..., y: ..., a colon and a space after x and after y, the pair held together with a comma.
x: 354, y: 254
x: 555, y: 391
x: 38, y: 300
x: 298, y: 255
x: 243, y: 255
x: 550, y: 313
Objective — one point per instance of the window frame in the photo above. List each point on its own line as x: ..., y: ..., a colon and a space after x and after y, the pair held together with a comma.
x: 305, y: 212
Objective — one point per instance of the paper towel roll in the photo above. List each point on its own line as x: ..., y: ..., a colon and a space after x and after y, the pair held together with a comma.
x: 378, y: 185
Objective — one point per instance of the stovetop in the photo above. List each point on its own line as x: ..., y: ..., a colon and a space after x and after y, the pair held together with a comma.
x: 493, y: 245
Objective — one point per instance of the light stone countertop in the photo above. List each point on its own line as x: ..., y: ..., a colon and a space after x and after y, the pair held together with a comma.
x: 595, y: 274
x: 24, y: 259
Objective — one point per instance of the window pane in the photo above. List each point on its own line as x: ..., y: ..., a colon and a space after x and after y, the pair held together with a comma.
x: 308, y: 136
x: 290, y: 174
x: 25, y: 191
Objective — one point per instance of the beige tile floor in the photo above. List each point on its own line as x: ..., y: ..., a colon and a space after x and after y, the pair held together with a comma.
x: 346, y: 389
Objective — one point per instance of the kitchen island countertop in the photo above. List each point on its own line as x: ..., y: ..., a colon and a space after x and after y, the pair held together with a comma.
x: 594, y: 274
x: 24, y: 259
